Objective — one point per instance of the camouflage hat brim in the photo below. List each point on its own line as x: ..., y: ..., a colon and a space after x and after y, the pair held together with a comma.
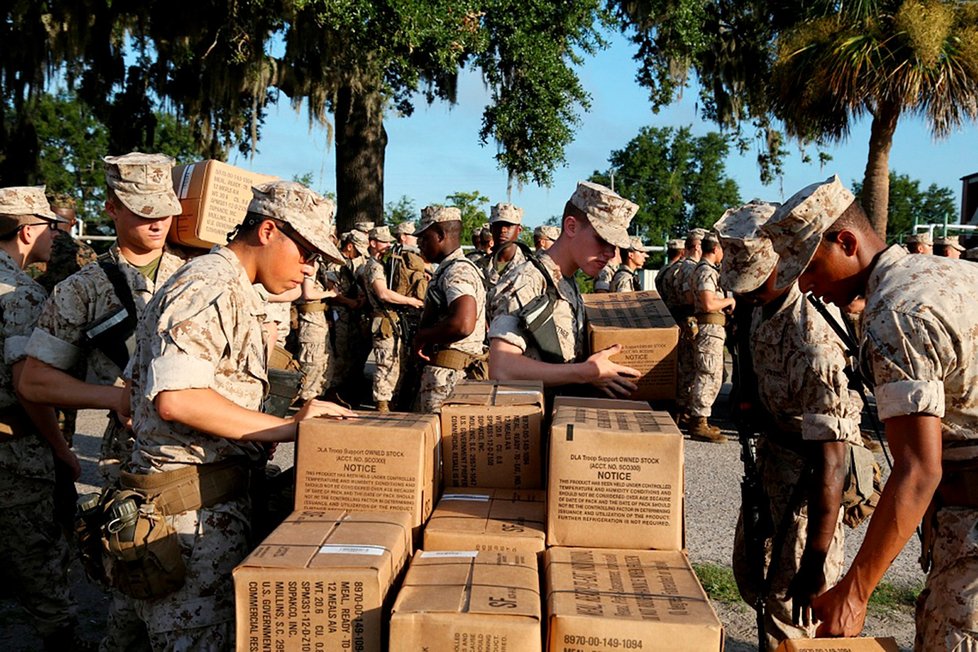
x: 155, y: 206
x: 319, y: 240
x: 611, y: 234
x: 744, y: 270
x: 794, y: 260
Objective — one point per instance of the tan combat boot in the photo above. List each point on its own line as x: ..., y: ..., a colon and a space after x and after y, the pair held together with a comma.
x: 700, y: 430
x: 382, y: 406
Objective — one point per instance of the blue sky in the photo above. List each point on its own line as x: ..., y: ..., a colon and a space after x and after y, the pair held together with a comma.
x: 436, y: 151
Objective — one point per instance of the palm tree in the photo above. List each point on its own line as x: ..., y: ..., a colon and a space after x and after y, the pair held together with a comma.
x: 884, y: 58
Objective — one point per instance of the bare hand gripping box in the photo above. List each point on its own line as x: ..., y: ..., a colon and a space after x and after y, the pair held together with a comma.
x: 380, y: 462
x: 649, y: 337
x: 611, y: 600
x: 508, y: 520
x: 320, y: 581
x: 616, y: 480
x: 468, y: 602
x: 491, y: 435
x: 214, y: 197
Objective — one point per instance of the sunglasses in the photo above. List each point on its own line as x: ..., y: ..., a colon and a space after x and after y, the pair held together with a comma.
x: 306, y: 253
x: 51, y: 225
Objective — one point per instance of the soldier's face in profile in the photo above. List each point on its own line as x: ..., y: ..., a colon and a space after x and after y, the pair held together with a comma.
x: 832, y: 273
x: 428, y: 242
x: 591, y: 251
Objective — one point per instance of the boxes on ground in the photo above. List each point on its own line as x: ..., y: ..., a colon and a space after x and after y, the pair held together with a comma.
x: 491, y: 435
x: 615, y: 480
x: 641, y: 323
x: 320, y: 582
x: 507, y: 520
x: 610, y: 600
x: 599, y: 403
x: 214, y: 198
x: 374, y: 462
x: 886, y: 644
x: 468, y: 602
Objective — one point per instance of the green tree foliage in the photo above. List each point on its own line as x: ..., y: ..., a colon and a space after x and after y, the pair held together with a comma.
x: 474, y: 208
x: 678, y: 180
x: 813, y: 67
x: 910, y: 205
x: 402, y: 210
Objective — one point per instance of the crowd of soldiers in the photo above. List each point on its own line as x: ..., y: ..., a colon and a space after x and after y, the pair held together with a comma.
x: 179, y: 348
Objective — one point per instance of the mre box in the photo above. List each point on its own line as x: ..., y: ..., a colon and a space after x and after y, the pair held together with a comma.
x: 378, y: 461
x: 649, y: 337
x: 616, y: 480
x: 491, y: 435
x: 610, y: 600
x: 509, y: 520
x: 468, y: 601
x: 886, y: 644
x: 320, y: 581
x: 214, y: 198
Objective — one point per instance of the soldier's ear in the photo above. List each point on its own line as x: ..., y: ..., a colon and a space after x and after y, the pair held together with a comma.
x: 848, y: 240
x: 264, y: 231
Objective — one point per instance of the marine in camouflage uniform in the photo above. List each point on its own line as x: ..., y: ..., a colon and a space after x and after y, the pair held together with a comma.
x: 683, y: 313
x: 451, y: 351
x: 33, y: 553
x: 811, y: 418
x: 708, y: 343
x: 665, y: 276
x: 313, y: 337
x: 919, y: 343
x: 633, y: 258
x: 350, y: 338
x: 595, y: 223
x: 201, y: 346
x: 505, y: 224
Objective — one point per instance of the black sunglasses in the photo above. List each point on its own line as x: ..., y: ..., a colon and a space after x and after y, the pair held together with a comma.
x: 307, y: 254
x: 51, y: 225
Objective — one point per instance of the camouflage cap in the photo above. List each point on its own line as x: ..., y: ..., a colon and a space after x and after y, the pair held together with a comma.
x: 359, y: 241
x: 949, y: 241
x: 509, y: 213
x: 438, y: 213
x: 484, y: 230
x: 635, y: 244
x: 404, y: 228
x: 696, y: 233
x: 306, y: 211
x: 546, y: 231
x: 608, y: 212
x: 19, y: 204
x: 748, y: 256
x: 676, y: 244
x: 924, y: 237
x: 381, y: 234
x: 143, y: 183
x: 363, y: 226
x: 797, y: 226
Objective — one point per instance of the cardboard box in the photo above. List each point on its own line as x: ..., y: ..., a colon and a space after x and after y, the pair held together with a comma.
x: 468, y: 602
x: 506, y: 520
x: 649, y: 337
x: 616, y: 480
x: 214, y: 197
x: 320, y: 581
x: 491, y: 435
x: 378, y: 461
x: 599, y: 403
x: 886, y: 644
x: 612, y: 600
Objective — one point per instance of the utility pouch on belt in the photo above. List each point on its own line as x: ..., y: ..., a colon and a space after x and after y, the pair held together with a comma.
x: 862, y: 488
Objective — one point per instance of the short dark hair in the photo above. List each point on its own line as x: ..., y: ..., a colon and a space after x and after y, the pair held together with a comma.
x: 709, y: 245
x: 691, y: 242
x: 672, y: 251
x: 852, y: 219
x: 248, y: 225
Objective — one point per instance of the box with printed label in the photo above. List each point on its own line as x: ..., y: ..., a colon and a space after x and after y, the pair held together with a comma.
x: 648, y: 335
x: 468, y: 601
x: 599, y: 403
x: 214, y: 198
x: 321, y: 581
x: 616, y: 480
x: 602, y: 600
x: 510, y: 520
x: 885, y: 644
x: 374, y: 462
x: 491, y: 435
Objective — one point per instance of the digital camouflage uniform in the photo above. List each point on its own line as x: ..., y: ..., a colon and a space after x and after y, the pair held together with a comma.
x: 59, y: 340
x: 602, y: 283
x: 707, y: 346
x: 390, y: 353
x: 33, y: 552
x: 626, y: 280
x: 314, y: 345
x: 799, y: 364
x: 685, y: 361
x: 349, y: 338
x: 202, y: 330
x: 453, y: 280
x: 522, y: 284
x: 493, y: 270
x: 920, y: 344
x: 665, y: 284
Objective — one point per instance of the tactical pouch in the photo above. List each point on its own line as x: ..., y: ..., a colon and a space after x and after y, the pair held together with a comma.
x: 142, y: 555
x: 862, y: 488
x: 112, y: 334
x: 537, y: 318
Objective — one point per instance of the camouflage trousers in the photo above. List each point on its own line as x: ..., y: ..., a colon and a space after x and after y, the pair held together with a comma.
x: 947, y: 609
x: 707, y: 369
x: 345, y: 341
x: 685, y: 371
x: 314, y: 353
x: 34, y: 559
x: 390, y: 355
x: 123, y: 628
x: 437, y: 384
x: 200, y: 615
x: 781, y: 471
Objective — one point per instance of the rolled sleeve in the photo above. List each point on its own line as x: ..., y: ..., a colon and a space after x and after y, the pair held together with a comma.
x: 905, y: 397
x: 175, y: 371
x: 14, y: 349
x: 53, y: 351
x: 507, y: 328
x: 824, y: 427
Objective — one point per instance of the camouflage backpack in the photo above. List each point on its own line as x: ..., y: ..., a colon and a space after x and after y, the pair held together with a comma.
x: 406, y: 273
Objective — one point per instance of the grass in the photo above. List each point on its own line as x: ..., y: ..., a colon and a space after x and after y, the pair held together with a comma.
x: 718, y: 581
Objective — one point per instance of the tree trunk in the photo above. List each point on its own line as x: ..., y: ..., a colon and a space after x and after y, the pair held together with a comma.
x: 876, y: 182
x: 360, y: 143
